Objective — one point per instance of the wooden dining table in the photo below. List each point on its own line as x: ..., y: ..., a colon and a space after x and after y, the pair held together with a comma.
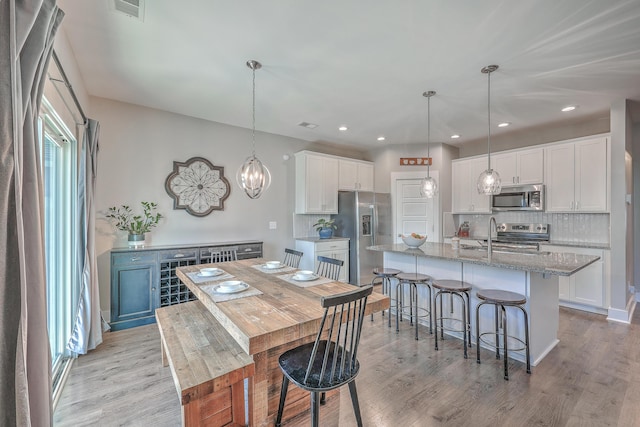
x: 283, y: 316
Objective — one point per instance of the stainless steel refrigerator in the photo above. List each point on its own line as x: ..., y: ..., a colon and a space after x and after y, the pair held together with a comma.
x: 365, y: 218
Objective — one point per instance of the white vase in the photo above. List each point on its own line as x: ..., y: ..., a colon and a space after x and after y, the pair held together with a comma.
x: 136, y: 240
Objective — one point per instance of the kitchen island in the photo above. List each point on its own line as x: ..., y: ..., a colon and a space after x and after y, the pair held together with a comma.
x: 534, y: 275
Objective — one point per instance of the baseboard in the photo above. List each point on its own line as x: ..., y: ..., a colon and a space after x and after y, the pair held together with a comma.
x: 622, y: 316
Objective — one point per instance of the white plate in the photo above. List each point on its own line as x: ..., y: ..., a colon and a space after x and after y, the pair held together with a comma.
x: 230, y: 287
x: 210, y: 272
x: 305, y: 278
x: 273, y: 267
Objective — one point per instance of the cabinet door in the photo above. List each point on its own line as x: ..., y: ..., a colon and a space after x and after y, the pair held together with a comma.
x: 330, y: 186
x: 591, y: 175
x: 505, y: 165
x: 134, y: 296
x: 365, y: 177
x: 559, y: 177
x: 348, y: 175
x: 530, y: 166
x: 479, y: 202
x: 587, y: 285
x: 315, y: 188
x: 461, y: 196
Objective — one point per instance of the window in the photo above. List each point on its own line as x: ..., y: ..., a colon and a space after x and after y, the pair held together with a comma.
x: 59, y: 151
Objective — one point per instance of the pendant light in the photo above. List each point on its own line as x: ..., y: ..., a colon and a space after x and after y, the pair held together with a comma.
x: 253, y: 176
x: 428, y: 185
x: 489, y: 181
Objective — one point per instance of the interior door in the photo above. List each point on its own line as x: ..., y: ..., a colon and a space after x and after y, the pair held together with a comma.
x: 414, y: 213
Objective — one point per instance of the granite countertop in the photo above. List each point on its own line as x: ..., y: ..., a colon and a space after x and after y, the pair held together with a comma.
x: 559, y: 264
x: 318, y: 239
x: 552, y: 242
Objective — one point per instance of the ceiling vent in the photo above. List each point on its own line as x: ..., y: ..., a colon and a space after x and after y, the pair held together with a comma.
x: 307, y: 125
x: 131, y: 8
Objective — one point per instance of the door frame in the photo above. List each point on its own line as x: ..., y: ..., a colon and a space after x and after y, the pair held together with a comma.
x: 395, y: 176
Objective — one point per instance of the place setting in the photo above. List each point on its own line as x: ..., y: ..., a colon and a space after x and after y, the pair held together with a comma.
x: 229, y: 290
x: 209, y: 274
x: 304, y: 278
x: 271, y: 267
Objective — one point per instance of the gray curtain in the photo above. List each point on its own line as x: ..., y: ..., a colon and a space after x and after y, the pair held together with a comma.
x: 87, y: 331
x: 27, y: 29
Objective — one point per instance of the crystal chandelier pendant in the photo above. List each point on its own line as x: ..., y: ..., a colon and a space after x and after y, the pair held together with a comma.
x: 253, y: 177
x: 489, y: 182
x: 428, y: 187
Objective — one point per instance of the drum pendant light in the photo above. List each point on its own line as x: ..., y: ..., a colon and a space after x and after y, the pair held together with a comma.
x: 428, y: 185
x: 253, y: 176
x: 489, y: 181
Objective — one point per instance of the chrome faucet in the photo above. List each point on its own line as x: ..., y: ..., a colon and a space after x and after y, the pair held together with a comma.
x: 489, y: 238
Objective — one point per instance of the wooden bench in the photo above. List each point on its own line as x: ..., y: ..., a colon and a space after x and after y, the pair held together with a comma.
x: 208, y: 366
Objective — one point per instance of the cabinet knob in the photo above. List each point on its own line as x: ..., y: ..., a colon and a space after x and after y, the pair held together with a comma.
x: 136, y: 258
x: 179, y: 256
x: 248, y: 250
x: 153, y: 289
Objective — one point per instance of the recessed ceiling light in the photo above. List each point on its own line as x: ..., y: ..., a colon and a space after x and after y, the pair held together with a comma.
x: 503, y: 124
x: 381, y: 138
x: 569, y: 108
x: 342, y: 128
x: 456, y: 136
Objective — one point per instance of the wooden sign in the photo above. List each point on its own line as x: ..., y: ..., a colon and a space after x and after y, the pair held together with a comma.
x: 415, y: 161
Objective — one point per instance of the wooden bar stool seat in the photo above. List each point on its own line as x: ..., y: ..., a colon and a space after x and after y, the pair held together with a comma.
x: 501, y: 299
x: 384, y: 276
x: 461, y: 290
x: 413, y: 280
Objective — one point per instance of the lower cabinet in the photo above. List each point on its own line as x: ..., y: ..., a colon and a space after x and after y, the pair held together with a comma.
x: 312, y: 248
x: 588, y: 288
x: 144, y: 279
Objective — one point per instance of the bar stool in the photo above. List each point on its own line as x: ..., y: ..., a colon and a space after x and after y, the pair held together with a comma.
x: 501, y: 299
x: 384, y: 276
x: 461, y: 290
x: 413, y: 280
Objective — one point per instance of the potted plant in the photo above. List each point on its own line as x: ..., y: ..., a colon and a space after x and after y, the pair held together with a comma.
x: 325, y: 227
x: 136, y: 225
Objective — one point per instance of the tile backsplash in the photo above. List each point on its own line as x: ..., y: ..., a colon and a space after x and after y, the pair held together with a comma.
x: 303, y: 225
x: 574, y: 227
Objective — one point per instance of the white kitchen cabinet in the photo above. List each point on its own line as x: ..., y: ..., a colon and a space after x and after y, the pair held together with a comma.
x: 316, y: 183
x: 587, y: 289
x: 311, y: 248
x: 576, y: 176
x: 355, y: 175
x: 520, y: 167
x: 464, y: 178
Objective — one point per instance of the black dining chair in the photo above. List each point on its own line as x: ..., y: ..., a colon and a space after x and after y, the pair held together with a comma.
x: 331, y: 360
x: 292, y: 257
x: 329, y: 267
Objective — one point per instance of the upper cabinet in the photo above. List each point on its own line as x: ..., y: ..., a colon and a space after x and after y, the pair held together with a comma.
x: 465, y: 197
x: 520, y: 167
x: 320, y: 176
x: 316, y: 184
x: 576, y: 176
x: 355, y: 175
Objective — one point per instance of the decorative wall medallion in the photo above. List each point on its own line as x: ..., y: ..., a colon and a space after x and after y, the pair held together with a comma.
x: 197, y: 186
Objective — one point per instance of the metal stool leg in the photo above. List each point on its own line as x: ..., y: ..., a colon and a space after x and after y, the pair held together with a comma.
x: 506, y: 346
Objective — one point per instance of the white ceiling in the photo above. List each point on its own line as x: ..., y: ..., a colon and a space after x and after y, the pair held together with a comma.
x: 364, y: 64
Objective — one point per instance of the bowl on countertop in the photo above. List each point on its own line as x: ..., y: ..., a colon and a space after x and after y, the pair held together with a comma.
x: 413, y: 242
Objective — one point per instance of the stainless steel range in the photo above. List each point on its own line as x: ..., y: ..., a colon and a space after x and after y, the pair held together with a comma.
x: 520, y: 237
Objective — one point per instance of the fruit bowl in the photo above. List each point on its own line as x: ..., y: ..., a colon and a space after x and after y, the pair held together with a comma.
x: 414, y: 240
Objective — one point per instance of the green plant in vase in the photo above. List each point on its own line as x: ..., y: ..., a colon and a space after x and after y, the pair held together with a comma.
x: 325, y: 227
x: 136, y: 225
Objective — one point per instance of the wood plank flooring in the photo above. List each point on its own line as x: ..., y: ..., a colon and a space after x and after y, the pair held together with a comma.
x: 592, y: 378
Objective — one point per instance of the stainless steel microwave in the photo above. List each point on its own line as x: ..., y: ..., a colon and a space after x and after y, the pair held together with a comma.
x: 520, y: 198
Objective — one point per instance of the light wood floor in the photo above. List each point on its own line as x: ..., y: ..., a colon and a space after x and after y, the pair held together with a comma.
x: 592, y: 378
